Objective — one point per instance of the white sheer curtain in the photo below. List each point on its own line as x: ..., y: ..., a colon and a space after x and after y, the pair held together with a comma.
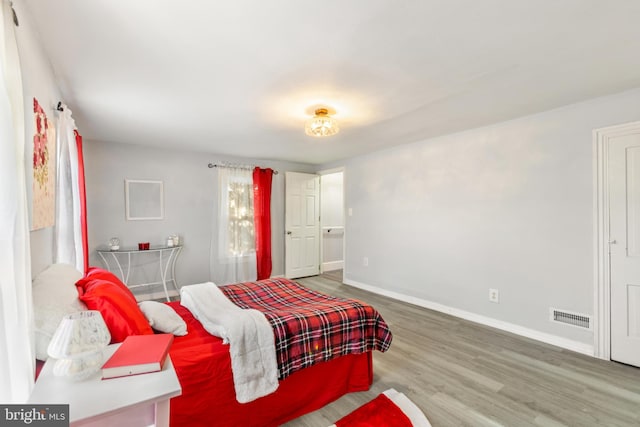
x: 233, y: 254
x: 68, y: 230
x: 17, y: 359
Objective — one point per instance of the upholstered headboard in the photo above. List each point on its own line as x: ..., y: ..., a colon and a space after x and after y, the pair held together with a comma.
x: 54, y: 296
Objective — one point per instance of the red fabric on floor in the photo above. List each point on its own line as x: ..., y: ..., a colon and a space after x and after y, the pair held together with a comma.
x: 380, y: 412
x: 203, y: 366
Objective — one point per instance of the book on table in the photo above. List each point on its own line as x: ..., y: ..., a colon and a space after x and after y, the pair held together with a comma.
x: 138, y: 354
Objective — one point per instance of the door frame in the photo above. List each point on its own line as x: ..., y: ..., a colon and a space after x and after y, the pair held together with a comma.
x: 602, y: 268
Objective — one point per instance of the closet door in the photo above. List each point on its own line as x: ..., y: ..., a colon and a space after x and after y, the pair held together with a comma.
x: 624, y: 216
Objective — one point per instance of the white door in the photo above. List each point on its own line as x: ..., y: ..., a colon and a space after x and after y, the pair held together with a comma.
x: 302, y: 225
x: 624, y: 217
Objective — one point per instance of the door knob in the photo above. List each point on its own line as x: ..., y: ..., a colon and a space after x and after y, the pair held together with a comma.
x: 288, y: 232
x: 613, y: 242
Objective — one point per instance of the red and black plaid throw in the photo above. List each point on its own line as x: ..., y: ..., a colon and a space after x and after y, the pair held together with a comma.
x: 310, y: 326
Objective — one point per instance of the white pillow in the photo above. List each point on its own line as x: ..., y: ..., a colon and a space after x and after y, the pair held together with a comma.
x: 54, y: 296
x: 163, y: 318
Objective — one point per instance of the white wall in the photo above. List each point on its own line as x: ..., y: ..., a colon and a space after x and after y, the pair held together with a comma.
x: 38, y: 82
x: 189, y: 193
x: 508, y: 206
x: 332, y: 220
x: 332, y: 197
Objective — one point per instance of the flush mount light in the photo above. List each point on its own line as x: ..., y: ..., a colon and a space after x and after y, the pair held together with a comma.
x: 321, y: 124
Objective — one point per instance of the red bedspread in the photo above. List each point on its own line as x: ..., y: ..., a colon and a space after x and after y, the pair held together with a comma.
x: 309, y: 326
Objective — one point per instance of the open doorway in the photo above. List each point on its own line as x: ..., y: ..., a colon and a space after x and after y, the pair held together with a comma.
x: 332, y: 224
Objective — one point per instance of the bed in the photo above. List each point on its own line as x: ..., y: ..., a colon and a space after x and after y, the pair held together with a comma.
x: 323, y: 348
x: 313, y: 370
x: 203, y: 365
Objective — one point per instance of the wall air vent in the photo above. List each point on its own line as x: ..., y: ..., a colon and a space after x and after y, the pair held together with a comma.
x: 570, y: 318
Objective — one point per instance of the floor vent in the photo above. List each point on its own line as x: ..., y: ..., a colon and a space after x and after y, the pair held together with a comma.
x: 578, y: 320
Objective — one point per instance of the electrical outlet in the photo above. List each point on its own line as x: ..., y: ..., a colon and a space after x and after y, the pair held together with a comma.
x: 365, y: 261
x: 494, y: 295
x: 350, y: 212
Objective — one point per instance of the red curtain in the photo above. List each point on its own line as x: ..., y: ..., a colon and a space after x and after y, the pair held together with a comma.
x: 262, y: 219
x: 83, y: 202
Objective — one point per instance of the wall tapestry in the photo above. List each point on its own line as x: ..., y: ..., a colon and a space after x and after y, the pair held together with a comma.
x: 44, y: 170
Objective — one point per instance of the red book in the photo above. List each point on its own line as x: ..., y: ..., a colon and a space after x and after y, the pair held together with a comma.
x: 138, y: 354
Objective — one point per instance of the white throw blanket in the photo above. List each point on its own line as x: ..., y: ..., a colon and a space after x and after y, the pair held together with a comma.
x: 248, y: 332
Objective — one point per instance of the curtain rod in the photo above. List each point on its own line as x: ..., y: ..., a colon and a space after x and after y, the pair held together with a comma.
x: 233, y: 165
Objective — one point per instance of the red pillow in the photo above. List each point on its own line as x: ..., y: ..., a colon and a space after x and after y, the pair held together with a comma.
x: 122, y: 316
x: 99, y: 273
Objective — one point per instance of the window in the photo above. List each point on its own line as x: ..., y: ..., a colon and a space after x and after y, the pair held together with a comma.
x: 236, y: 229
x: 233, y: 255
x: 240, y: 230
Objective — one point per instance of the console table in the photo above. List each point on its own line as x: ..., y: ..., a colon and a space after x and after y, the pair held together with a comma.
x: 166, y: 259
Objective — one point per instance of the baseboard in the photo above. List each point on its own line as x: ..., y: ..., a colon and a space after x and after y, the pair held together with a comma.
x: 544, y: 337
x: 332, y: 265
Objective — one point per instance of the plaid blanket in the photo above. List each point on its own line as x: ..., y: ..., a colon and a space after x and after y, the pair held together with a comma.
x: 310, y: 326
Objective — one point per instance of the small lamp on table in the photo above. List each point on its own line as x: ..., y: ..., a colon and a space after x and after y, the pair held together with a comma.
x: 78, y: 344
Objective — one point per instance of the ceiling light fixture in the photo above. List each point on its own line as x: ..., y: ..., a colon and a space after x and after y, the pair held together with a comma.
x: 321, y: 124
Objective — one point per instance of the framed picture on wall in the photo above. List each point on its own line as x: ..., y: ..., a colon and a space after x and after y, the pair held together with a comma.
x: 144, y: 200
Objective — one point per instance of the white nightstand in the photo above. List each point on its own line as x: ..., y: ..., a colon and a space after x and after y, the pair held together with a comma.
x: 137, y: 400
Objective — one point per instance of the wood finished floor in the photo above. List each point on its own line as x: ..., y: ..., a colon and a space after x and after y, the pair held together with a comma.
x: 464, y: 374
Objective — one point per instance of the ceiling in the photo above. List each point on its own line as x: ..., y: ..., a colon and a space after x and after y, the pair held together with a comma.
x: 239, y: 78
